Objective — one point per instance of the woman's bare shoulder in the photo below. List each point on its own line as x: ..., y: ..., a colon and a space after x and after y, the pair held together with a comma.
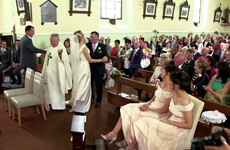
x: 186, y: 99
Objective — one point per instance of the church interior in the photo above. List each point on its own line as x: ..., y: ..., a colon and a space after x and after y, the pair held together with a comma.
x: 113, y: 20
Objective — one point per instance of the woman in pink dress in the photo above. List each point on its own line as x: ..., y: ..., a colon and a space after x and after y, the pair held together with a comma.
x: 156, y: 108
x: 170, y: 132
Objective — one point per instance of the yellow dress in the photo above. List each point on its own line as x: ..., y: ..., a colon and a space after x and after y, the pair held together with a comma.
x: 131, y: 112
x: 152, y: 134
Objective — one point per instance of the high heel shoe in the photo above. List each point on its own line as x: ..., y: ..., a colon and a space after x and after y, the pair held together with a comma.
x: 109, y: 136
x: 121, y: 144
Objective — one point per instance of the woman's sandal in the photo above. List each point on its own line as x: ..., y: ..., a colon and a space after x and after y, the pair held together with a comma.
x: 121, y: 143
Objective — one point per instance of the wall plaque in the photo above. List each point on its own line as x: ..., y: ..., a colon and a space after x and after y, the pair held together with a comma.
x: 48, y: 12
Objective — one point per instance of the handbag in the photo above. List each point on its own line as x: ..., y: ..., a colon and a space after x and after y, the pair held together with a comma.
x: 126, y: 63
x: 145, y: 62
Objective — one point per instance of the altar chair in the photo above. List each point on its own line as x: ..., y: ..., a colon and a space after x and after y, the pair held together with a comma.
x: 20, y: 91
x: 34, y: 99
x: 197, y: 110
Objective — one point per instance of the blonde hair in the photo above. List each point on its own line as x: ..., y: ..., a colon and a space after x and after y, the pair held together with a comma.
x: 79, y: 35
x: 165, y: 58
x: 202, y: 64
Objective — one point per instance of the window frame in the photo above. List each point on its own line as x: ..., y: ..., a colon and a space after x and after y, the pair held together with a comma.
x: 110, y: 18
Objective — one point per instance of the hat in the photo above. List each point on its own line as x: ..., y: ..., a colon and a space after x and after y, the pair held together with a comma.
x: 108, y: 39
x: 127, y: 40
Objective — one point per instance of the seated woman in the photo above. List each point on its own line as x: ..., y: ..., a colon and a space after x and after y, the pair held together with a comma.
x: 153, y: 109
x: 170, y: 132
x: 147, y: 55
x: 218, y: 89
x: 199, y: 79
x: 210, y: 68
x: 163, y: 61
x: 115, y: 49
x: 167, y: 48
x: 147, y: 52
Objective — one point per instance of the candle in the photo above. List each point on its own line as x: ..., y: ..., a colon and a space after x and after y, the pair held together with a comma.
x: 216, y: 112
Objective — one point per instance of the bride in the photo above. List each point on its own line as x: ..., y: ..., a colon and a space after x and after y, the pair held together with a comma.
x: 80, y: 60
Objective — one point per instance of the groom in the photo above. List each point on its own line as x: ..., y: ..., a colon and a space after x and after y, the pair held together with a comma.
x: 97, y: 51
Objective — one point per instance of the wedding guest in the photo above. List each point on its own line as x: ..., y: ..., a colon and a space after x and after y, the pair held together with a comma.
x: 5, y: 56
x: 156, y: 108
x: 170, y: 131
x: 28, y: 57
x: 107, y: 44
x: 126, y: 50
x: 147, y: 52
x: 15, y: 68
x: 67, y: 45
x: 199, y: 79
x: 102, y: 39
x: 167, y: 48
x: 218, y: 89
x: 227, y: 57
x: 115, y: 49
x: 210, y: 70
x: 196, y: 53
x: 135, y: 59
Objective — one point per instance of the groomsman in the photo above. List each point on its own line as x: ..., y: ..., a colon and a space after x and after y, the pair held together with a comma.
x: 97, y: 51
x: 28, y: 52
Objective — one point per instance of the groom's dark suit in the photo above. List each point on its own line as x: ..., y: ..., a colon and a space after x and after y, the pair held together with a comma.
x: 28, y: 57
x: 97, y: 69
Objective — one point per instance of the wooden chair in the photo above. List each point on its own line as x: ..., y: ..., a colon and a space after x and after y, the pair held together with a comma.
x: 34, y: 99
x: 21, y: 91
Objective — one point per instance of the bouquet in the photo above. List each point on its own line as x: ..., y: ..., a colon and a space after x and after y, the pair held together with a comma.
x: 115, y: 73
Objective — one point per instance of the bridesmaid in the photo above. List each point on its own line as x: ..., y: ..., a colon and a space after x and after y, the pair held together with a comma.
x: 155, y: 108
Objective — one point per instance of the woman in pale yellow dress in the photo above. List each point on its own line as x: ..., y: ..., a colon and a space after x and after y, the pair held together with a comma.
x: 153, y: 109
x: 170, y: 132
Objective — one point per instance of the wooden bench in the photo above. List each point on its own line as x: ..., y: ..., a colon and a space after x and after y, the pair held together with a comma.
x: 118, y: 100
x: 147, y: 74
x: 78, y: 126
x: 116, y: 62
x: 78, y: 132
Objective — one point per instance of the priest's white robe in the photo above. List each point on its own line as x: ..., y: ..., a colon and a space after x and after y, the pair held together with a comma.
x: 58, y: 76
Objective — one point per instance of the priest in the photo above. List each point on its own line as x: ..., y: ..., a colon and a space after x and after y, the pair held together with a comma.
x: 57, y: 73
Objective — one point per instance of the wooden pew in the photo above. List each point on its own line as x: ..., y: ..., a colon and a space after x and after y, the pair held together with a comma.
x: 116, y: 62
x: 145, y: 74
x: 117, y: 100
x: 41, y: 59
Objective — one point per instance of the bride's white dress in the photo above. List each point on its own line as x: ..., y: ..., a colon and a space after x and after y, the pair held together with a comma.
x: 81, y: 81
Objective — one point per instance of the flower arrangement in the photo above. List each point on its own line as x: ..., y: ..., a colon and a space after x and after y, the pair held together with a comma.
x: 216, y: 32
x: 154, y: 39
x: 203, y: 34
x: 115, y: 73
x: 190, y: 34
x: 122, y: 57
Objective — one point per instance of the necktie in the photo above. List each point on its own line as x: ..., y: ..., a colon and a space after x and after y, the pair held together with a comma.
x: 133, y: 55
x: 94, y: 48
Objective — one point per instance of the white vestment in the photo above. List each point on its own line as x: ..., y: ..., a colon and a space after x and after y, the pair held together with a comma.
x: 58, y: 76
